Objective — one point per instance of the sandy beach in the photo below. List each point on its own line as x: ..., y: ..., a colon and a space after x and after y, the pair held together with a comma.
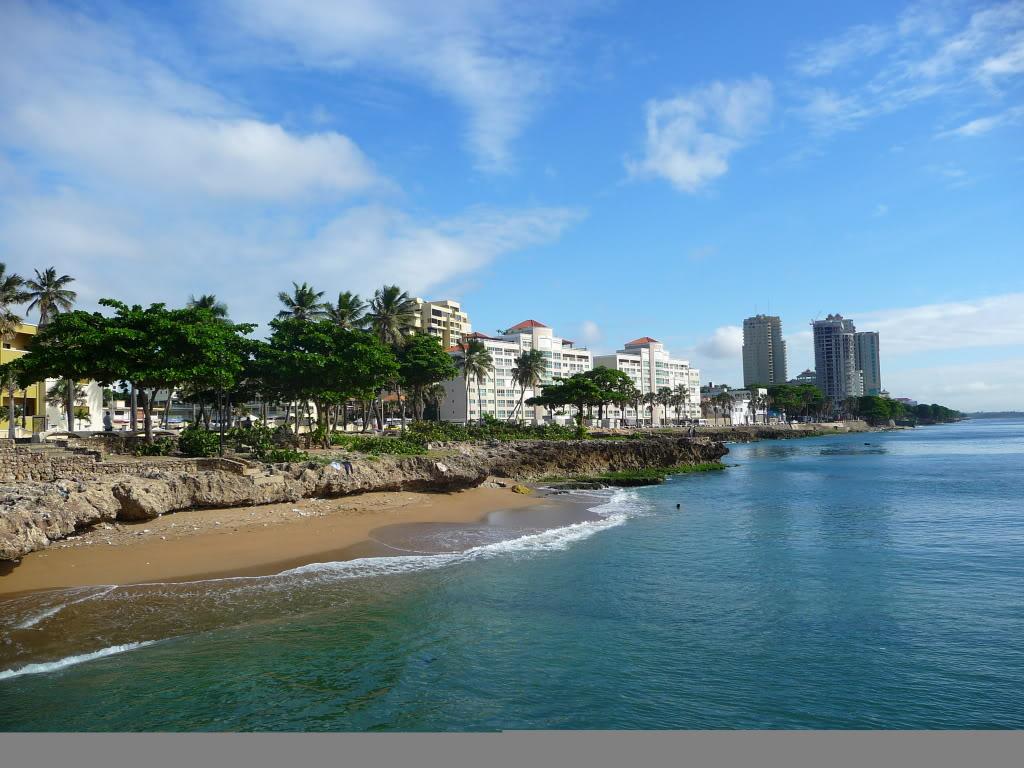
x: 242, y: 540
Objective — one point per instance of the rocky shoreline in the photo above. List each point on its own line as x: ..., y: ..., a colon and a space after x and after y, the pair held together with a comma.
x: 34, y: 514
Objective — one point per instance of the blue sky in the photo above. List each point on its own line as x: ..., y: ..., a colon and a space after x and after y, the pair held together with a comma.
x: 611, y: 169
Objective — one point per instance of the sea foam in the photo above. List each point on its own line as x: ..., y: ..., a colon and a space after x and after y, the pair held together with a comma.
x: 70, y: 661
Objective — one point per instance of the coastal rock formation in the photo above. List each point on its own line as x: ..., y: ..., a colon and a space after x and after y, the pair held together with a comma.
x: 32, y: 514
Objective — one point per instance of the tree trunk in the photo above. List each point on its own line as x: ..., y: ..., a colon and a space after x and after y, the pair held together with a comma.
x: 480, y: 401
x: 401, y: 406
x: 133, y: 420
x: 147, y: 409
x: 10, y: 413
x: 69, y: 403
x: 467, y: 401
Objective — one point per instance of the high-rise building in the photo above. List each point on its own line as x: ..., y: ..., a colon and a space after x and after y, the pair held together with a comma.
x: 835, y: 360
x: 651, y: 367
x: 865, y: 353
x: 764, y: 351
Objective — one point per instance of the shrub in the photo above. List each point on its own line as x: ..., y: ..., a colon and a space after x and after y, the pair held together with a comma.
x: 407, y: 445
x: 164, y: 446
x: 197, y: 442
x: 491, y: 429
x: 282, y: 455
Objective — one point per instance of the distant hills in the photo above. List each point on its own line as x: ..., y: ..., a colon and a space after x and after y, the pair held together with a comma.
x: 994, y: 414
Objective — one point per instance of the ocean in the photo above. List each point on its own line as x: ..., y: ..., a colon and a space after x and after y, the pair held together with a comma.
x: 851, y: 581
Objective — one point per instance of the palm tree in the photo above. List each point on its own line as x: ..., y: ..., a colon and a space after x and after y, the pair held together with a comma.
x: 650, y: 399
x: 476, y: 363
x: 664, y: 399
x: 49, y: 295
x: 9, y: 323
x: 208, y: 301
x: 392, y: 317
x: 528, y: 372
x: 724, y: 402
x: 350, y: 311
x: 681, y: 400
x: 303, y: 303
x: 12, y: 289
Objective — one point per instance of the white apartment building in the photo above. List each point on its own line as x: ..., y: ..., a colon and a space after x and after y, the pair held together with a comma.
x: 651, y: 367
x: 499, y: 395
x: 443, y: 319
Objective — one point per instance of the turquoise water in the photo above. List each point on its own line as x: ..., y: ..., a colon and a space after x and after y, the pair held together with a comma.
x: 821, y: 583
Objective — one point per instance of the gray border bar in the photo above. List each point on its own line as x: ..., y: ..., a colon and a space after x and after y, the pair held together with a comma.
x: 786, y: 749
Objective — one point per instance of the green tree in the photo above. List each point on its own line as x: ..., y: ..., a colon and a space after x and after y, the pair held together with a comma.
x: 528, y: 372
x: 476, y: 363
x: 613, y: 386
x: 349, y: 312
x: 49, y: 294
x: 303, y: 303
x: 579, y: 391
x: 423, y: 363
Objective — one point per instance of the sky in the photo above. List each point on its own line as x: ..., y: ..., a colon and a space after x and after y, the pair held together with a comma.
x: 611, y: 169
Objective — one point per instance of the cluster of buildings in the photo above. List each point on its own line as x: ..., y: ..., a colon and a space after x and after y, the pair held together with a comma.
x: 846, y: 361
x: 645, y: 360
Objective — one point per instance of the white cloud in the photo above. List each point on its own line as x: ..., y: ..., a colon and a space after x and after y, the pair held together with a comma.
x: 128, y: 254
x: 725, y: 343
x: 84, y: 99
x: 495, y: 59
x: 691, y: 137
x: 861, y: 41
x: 983, y: 125
x: 929, y: 51
x: 988, y: 322
x: 993, y: 385
x: 590, y: 332
x: 368, y: 246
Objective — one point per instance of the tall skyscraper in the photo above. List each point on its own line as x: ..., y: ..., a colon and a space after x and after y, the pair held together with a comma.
x: 866, y: 359
x: 835, y: 359
x: 764, y: 351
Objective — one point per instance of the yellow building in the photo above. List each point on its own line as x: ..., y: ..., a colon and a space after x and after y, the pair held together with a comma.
x: 30, y: 403
x: 443, y: 319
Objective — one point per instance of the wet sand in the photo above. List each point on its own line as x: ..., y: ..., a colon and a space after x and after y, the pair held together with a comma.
x: 247, y: 541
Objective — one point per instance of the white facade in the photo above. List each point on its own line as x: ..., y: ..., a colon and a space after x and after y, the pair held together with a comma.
x: 651, y: 367
x: 498, y: 394
x: 742, y: 413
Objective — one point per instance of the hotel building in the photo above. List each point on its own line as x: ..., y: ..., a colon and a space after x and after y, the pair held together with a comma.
x: 499, y: 394
x: 443, y: 319
x: 651, y: 367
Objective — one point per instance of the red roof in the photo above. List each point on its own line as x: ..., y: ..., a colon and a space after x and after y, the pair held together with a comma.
x: 640, y: 342
x: 527, y: 324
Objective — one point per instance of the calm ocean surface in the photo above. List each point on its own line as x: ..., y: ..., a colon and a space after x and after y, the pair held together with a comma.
x: 821, y: 583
